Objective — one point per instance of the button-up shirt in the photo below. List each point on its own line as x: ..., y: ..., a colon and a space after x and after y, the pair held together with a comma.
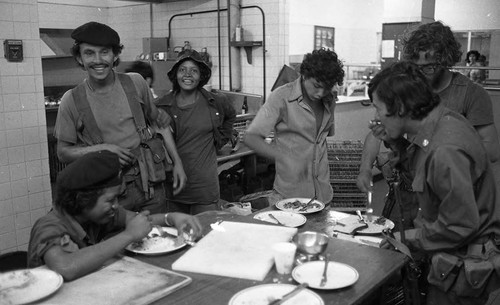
x: 303, y: 171
x: 454, y: 183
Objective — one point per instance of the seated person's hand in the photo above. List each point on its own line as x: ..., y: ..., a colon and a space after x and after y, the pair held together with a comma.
x: 187, y: 224
x: 163, y: 120
x: 139, y: 226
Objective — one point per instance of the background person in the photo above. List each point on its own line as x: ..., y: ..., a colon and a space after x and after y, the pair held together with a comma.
x: 202, y: 124
x: 146, y: 71
x: 301, y: 114
x: 433, y: 47
x: 458, y: 225
x: 472, y: 60
x: 96, y: 49
x: 70, y: 238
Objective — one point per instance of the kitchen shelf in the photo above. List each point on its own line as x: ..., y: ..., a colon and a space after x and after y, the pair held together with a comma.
x: 247, y: 45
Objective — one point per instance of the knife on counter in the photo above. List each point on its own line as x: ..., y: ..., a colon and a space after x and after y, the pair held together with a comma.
x: 289, y: 295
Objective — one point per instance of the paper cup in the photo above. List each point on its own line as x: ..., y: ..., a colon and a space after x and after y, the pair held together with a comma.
x: 284, y: 257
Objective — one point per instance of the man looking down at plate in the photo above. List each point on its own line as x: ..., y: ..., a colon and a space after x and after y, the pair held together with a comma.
x: 71, y: 238
x: 458, y: 225
x: 301, y: 114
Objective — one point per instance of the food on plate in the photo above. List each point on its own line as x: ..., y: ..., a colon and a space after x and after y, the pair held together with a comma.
x: 152, y: 242
x: 297, y: 204
x: 380, y: 221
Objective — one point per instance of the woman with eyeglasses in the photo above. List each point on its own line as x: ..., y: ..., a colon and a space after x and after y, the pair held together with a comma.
x: 202, y: 122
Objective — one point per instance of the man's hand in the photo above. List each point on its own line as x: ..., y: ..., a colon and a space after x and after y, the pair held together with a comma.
x: 139, y: 226
x: 127, y: 158
x: 364, y: 180
x: 378, y: 130
x: 185, y: 223
x: 180, y: 178
x: 163, y: 120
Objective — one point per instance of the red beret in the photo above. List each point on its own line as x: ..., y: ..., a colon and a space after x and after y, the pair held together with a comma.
x: 96, y: 33
x: 94, y: 170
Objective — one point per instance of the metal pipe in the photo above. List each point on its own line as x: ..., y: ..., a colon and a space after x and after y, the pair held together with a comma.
x: 219, y: 45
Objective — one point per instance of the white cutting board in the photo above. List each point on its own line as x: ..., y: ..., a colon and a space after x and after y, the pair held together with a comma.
x: 124, y: 282
x: 240, y: 250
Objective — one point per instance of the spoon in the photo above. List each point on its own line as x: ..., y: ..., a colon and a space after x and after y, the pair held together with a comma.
x: 307, y: 204
x: 325, y: 274
x: 273, y: 217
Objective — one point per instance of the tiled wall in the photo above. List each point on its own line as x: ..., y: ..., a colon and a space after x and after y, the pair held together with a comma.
x: 25, y: 191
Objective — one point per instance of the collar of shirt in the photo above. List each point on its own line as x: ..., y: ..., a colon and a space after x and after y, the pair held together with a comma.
x: 297, y: 95
x: 423, y: 138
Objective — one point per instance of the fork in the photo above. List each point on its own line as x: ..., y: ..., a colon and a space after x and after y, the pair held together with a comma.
x: 304, y: 208
x: 324, y: 277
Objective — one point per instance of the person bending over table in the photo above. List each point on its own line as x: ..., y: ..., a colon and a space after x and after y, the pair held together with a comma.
x: 73, y: 239
x: 302, y: 115
x: 458, y: 224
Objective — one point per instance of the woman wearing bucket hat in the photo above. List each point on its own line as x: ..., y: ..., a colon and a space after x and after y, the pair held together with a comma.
x: 202, y: 122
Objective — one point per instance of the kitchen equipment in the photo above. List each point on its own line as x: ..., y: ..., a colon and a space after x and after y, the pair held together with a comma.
x: 297, y: 204
x: 339, y: 275
x: 267, y: 293
x: 288, y: 219
x: 125, y: 281
x: 240, y: 250
x: 311, y: 243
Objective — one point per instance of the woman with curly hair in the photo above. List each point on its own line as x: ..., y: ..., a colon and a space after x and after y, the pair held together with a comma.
x: 202, y: 124
x: 472, y: 60
x: 301, y: 113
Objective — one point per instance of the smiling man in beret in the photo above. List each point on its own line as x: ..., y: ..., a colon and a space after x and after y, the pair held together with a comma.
x: 70, y: 238
x: 101, y: 114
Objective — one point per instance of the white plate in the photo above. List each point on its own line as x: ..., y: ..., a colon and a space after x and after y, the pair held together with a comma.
x: 155, y: 245
x: 28, y: 285
x: 287, y: 205
x: 338, y: 275
x: 288, y: 219
x: 265, y: 294
x: 372, y: 229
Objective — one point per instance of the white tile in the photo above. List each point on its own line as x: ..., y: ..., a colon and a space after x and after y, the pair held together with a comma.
x: 35, y: 185
x: 4, y: 174
x: 6, y: 208
x: 17, y: 171
x: 14, y: 137
x: 48, y: 199
x: 19, y: 188
x: 28, y: 84
x: 23, y: 236
x: 10, y: 84
x: 16, y: 155
x: 36, y: 214
x: 31, y: 135
x: 42, y: 133
x: 22, y: 220
x: 44, y: 149
x: 7, y: 240
x: 32, y: 153
x: 34, y: 169
x: 42, y: 118
x: 26, y: 66
x: 7, y: 29
x: 23, y: 247
x: 11, y: 102
x: 22, y: 30
x: 6, y: 12
x: 13, y: 120
x: 5, y: 191
x: 45, y: 166
x: 30, y: 119
x: 34, y: 13
x: 2, y: 122
x: 28, y: 101
x: 38, y: 83
x: 37, y: 201
x: 21, y: 204
x: 21, y: 12
x: 4, y: 156
x: 6, y: 224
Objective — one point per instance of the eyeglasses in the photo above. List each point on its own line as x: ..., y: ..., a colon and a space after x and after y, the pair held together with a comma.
x: 189, y: 71
x: 429, y: 68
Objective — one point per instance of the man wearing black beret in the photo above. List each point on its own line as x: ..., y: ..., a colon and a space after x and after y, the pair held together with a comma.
x: 110, y: 111
x: 70, y: 238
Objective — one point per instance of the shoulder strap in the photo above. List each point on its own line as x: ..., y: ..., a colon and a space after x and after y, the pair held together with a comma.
x: 82, y: 105
x: 135, y: 106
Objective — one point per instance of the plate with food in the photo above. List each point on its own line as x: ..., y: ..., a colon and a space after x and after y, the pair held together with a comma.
x: 267, y: 293
x: 376, y: 226
x: 157, y: 242
x: 28, y: 285
x: 338, y: 275
x: 300, y: 205
x: 287, y: 219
